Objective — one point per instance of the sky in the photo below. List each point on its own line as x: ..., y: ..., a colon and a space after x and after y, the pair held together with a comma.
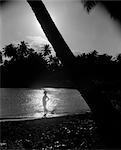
x: 82, y: 32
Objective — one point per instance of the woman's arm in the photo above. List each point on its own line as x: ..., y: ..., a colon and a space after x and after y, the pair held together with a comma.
x: 47, y: 98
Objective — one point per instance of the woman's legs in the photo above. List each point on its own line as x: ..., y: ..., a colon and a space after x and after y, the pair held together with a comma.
x: 45, y: 110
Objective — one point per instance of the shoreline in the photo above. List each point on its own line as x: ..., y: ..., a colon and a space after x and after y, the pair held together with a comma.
x: 24, y: 118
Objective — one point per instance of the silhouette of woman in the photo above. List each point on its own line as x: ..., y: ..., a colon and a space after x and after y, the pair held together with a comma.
x: 44, y: 101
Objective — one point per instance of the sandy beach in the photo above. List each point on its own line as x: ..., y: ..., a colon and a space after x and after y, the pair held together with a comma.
x: 64, y: 132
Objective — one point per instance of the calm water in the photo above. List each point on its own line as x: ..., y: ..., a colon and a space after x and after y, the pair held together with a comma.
x: 19, y: 103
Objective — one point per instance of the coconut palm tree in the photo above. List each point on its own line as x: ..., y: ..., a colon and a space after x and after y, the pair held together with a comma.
x: 10, y: 51
x: 106, y: 117
x: 46, y: 50
x: 113, y: 7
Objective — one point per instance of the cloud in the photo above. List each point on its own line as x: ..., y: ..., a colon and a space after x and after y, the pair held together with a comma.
x: 37, y: 42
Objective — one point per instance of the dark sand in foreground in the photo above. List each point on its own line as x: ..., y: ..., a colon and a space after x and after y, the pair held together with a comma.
x: 65, y: 132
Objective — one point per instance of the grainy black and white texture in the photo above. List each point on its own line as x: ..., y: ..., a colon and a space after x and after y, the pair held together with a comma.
x: 60, y: 44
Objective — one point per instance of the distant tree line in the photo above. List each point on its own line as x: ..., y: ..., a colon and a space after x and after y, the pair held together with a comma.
x: 99, y: 66
x: 23, y: 66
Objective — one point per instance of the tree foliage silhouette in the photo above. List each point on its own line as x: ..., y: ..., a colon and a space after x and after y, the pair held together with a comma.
x: 10, y: 51
x: 25, y: 65
x: 1, y: 58
x: 113, y: 7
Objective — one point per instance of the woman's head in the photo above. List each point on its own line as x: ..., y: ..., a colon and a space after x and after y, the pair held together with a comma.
x: 45, y: 92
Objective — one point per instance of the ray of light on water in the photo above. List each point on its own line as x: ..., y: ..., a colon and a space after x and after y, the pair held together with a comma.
x: 21, y: 103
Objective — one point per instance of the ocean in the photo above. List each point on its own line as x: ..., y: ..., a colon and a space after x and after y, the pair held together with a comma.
x: 21, y: 103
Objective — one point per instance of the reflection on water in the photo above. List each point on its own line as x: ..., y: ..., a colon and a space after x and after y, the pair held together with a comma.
x: 28, y: 102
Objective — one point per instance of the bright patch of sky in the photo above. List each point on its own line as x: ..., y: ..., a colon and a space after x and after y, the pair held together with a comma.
x: 83, y: 32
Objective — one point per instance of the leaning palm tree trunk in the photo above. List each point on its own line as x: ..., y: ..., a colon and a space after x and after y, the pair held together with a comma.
x: 106, y: 117
x: 51, y: 31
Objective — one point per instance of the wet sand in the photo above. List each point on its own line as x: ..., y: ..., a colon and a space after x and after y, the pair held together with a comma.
x: 64, y: 132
